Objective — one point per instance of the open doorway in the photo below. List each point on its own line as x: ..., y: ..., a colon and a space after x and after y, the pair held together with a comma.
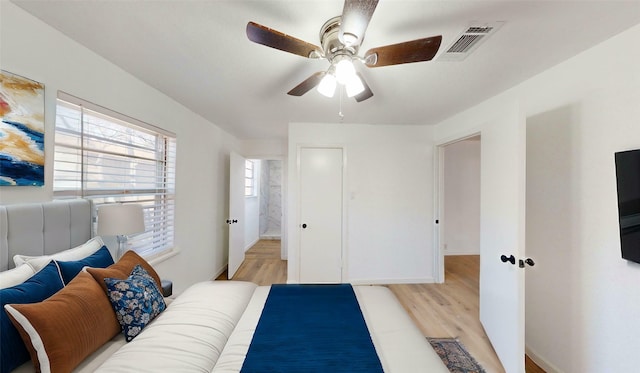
x: 460, y: 208
x: 264, y: 209
x: 260, y: 260
x: 461, y: 233
x: 263, y: 252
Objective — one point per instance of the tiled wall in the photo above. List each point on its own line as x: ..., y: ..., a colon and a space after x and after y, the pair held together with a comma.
x: 270, y: 198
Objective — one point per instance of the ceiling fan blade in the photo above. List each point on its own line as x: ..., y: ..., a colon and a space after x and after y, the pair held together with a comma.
x: 407, y: 52
x: 367, y: 93
x: 307, y: 85
x: 356, y: 15
x: 276, y: 39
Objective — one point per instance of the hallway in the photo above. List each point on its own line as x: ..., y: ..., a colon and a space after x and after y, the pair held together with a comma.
x: 262, y: 265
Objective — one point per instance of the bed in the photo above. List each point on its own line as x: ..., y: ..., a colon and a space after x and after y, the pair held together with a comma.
x: 214, y: 325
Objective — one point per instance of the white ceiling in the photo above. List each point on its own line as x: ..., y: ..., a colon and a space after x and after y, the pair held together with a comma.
x: 197, y: 53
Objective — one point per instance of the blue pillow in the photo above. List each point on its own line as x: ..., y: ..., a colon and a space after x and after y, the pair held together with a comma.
x: 136, y: 301
x: 37, y: 288
x: 100, y: 259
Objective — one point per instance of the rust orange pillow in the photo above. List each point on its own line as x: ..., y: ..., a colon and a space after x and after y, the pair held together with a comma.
x: 122, y: 269
x: 64, y: 329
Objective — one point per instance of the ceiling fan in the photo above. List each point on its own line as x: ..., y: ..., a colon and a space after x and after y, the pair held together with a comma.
x: 341, y: 38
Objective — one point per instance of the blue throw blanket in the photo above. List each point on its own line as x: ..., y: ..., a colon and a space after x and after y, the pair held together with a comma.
x: 311, y: 328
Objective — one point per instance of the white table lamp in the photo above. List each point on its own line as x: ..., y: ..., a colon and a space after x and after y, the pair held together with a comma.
x: 120, y: 220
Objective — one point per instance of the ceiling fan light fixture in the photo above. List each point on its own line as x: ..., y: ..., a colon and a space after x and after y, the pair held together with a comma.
x: 345, y: 70
x: 354, y: 86
x: 327, y: 86
x: 349, y: 39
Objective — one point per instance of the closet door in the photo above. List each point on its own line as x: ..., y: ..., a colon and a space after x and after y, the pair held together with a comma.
x: 321, y: 213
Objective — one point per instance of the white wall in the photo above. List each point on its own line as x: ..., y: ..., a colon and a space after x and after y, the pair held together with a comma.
x: 41, y: 53
x: 582, y: 301
x: 461, y: 220
x: 389, y: 202
x: 264, y: 149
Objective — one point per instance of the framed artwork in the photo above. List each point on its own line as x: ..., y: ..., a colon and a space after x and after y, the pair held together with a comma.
x: 21, y: 131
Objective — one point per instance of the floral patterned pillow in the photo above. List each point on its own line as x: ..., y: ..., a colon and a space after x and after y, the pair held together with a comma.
x: 136, y: 301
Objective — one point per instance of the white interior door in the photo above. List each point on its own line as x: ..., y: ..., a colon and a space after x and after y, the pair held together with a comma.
x: 236, y: 213
x: 321, y: 194
x: 502, y: 214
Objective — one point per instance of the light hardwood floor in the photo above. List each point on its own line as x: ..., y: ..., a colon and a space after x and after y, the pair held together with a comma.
x: 439, y: 310
x: 262, y: 265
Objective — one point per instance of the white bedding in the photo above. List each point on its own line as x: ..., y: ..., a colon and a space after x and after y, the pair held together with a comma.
x: 209, y: 328
x: 189, y: 335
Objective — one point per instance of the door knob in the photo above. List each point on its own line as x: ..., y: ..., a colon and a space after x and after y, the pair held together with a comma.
x: 304, y: 226
x: 510, y: 258
x: 528, y: 261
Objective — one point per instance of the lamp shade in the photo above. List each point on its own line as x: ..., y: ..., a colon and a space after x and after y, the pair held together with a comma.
x: 354, y: 86
x: 327, y: 86
x: 344, y: 70
x: 120, y: 219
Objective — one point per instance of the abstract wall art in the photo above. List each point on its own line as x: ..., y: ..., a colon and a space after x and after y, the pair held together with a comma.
x: 21, y: 131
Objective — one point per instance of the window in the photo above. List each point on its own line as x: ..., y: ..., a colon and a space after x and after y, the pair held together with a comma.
x: 249, y: 178
x: 107, y: 157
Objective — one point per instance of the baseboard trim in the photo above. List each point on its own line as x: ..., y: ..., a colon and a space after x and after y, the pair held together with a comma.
x: 541, y: 362
x: 270, y: 237
x: 251, y: 244
x: 390, y: 281
x: 220, y: 271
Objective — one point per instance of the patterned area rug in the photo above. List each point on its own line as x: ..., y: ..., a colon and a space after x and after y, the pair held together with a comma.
x: 455, y: 356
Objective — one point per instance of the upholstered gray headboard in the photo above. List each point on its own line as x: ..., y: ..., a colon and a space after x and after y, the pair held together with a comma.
x: 43, y: 228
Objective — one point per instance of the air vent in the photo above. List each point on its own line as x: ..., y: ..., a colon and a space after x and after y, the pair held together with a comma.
x: 469, y: 40
x: 465, y: 43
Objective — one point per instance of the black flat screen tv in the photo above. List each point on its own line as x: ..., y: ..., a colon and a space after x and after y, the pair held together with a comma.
x: 628, y: 182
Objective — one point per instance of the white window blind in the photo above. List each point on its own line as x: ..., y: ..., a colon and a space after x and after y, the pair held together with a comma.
x: 109, y: 158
